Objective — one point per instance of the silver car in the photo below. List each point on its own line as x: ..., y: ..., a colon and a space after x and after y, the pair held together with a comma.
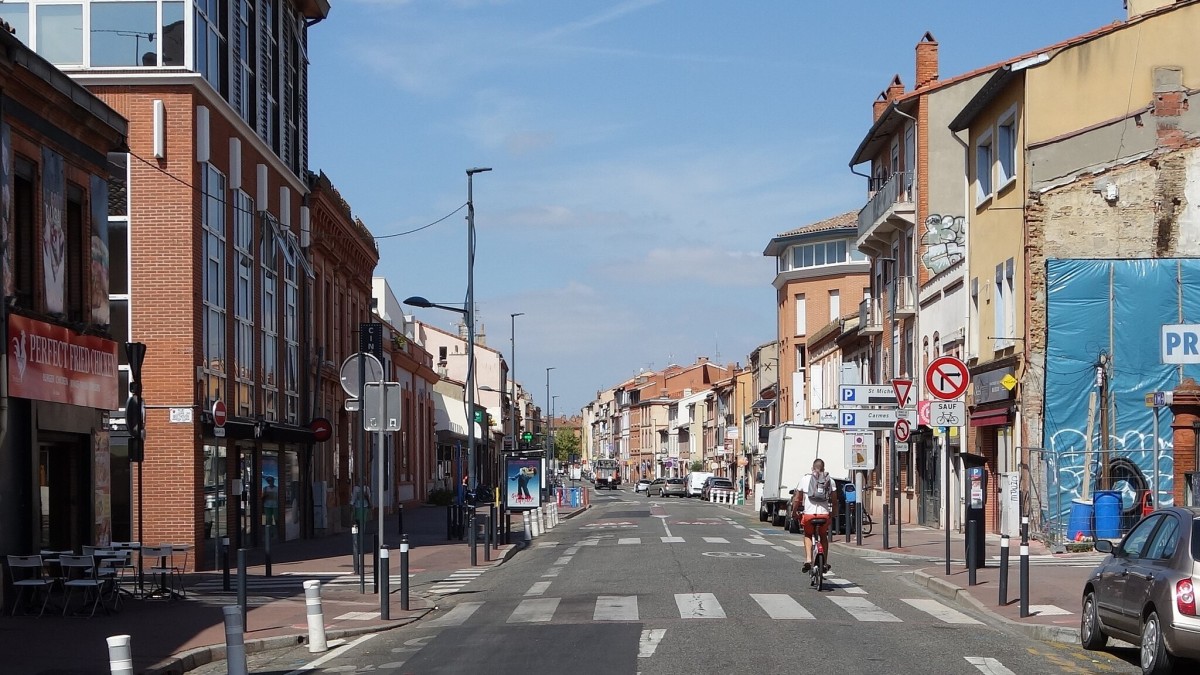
x: 1145, y: 590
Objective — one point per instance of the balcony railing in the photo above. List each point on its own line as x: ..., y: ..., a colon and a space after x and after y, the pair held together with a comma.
x: 906, y: 297
x: 870, y: 319
x: 898, y: 189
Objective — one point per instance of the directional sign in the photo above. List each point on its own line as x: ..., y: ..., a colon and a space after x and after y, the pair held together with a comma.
x: 902, y: 389
x: 947, y: 413
x: 1159, y: 399
x: 946, y: 378
x: 866, y: 394
x: 862, y: 420
x: 901, y: 430
x: 860, y: 450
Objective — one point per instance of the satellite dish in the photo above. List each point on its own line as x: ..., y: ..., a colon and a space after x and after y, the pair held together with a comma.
x: 372, y: 368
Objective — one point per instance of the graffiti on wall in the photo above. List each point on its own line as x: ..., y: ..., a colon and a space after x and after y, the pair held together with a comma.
x: 944, y: 242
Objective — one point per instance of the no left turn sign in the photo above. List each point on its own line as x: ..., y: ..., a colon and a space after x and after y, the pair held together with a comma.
x: 946, y: 378
x: 902, y: 430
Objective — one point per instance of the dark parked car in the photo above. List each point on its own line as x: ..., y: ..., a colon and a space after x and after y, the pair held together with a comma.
x: 667, y: 487
x: 1145, y: 590
x: 714, y: 483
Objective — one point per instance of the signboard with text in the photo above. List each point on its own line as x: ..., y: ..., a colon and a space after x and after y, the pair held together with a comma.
x: 52, y: 363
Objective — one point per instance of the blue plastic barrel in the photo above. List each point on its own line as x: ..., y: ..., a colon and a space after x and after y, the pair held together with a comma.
x: 1108, y: 514
x: 1080, y: 520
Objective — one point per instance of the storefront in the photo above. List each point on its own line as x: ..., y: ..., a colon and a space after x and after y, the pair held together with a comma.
x: 992, y: 400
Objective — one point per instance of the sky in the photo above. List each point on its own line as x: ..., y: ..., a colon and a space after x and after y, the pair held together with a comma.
x: 643, y: 154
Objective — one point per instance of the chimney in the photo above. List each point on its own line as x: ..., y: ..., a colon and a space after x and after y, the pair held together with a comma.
x: 895, y: 90
x: 880, y: 104
x: 927, y: 60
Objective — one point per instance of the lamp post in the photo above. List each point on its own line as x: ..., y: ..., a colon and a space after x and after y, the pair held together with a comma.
x: 549, y: 424
x: 512, y: 374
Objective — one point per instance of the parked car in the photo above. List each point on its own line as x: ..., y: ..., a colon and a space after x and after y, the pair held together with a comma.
x: 667, y: 487
x: 1144, y: 592
x: 642, y: 485
x: 714, y: 483
x: 694, y: 482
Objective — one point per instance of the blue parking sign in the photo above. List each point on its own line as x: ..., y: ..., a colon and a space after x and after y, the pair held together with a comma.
x: 848, y: 419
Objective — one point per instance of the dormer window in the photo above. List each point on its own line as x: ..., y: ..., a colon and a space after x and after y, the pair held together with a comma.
x: 819, y: 254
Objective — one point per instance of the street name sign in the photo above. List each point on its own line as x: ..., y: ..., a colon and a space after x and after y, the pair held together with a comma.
x: 866, y: 394
x: 864, y: 420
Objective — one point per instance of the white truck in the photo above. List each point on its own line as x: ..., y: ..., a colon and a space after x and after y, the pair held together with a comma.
x: 791, y: 449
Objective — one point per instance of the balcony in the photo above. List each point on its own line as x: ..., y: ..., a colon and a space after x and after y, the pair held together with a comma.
x: 870, y: 319
x: 906, y: 297
x: 891, y: 208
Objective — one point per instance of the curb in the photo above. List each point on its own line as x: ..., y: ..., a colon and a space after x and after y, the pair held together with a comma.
x: 854, y: 550
x: 963, y: 597
x: 202, y: 656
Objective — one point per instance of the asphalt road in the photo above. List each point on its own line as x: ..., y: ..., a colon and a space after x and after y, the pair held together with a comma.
x: 666, y: 586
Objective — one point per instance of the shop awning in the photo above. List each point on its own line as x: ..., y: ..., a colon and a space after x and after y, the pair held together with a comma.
x: 449, y: 414
x: 990, y: 418
x: 763, y: 403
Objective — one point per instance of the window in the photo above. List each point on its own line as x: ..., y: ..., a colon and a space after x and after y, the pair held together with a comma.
x: 60, y: 34
x: 1006, y: 147
x: 270, y: 324
x: 243, y: 337
x: 983, y: 168
x: 1135, y: 542
x: 1004, y: 308
x: 801, y: 314
x: 75, y: 284
x: 441, y: 354
x: 124, y: 34
x: 16, y: 14
x: 973, y: 320
x: 247, y: 95
x: 210, y: 54
x: 1166, y: 540
x: 835, y: 305
x: 821, y: 253
x: 214, y: 283
x: 291, y: 335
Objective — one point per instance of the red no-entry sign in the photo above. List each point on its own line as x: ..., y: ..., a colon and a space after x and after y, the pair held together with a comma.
x: 946, y: 378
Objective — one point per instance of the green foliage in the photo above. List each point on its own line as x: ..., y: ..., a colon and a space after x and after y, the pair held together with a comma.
x: 440, y: 497
x: 697, y: 465
x: 566, y: 443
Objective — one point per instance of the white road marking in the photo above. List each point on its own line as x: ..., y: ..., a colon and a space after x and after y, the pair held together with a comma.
x: 458, y: 615
x: 716, y: 540
x: 629, y: 540
x: 538, y: 588
x: 649, y: 642
x: 862, y: 609
x: 939, y: 611
x: 988, y: 666
x: 357, y: 616
x: 672, y: 540
x: 665, y: 528
x: 781, y: 548
x: 331, y: 655
x: 1048, y: 610
x: 547, y: 544
x: 616, y: 608
x: 795, y: 542
x: 781, y: 606
x: 540, y: 610
x: 698, y: 606
x: 552, y: 572
x: 739, y: 527
x: 848, y: 586
x: 563, y: 560
x: 757, y: 540
x: 885, y: 561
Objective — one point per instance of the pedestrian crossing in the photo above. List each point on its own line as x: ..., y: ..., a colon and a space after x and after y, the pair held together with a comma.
x: 603, y: 540
x: 293, y: 583
x: 703, y: 607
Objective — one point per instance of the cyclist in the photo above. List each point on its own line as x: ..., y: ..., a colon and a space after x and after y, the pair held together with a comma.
x: 815, y: 497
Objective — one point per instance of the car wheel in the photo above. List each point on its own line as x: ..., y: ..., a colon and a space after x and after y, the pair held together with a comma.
x: 793, y: 526
x: 1154, y: 657
x: 1091, y: 635
x: 762, y: 516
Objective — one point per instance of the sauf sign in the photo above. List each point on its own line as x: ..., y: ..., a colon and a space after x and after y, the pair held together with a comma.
x: 1180, y: 343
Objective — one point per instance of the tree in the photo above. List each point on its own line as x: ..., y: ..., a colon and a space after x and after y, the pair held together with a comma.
x: 566, y: 444
x: 697, y: 465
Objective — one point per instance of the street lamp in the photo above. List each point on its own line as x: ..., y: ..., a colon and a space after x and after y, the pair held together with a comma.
x: 549, y: 421
x: 553, y: 443
x: 512, y: 373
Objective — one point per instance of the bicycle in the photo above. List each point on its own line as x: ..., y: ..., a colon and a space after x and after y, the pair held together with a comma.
x: 867, y: 523
x: 817, y: 572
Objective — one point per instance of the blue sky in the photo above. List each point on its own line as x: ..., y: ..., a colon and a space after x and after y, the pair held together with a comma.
x: 644, y: 152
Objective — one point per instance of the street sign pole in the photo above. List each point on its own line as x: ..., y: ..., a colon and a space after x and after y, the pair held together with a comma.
x: 359, y: 512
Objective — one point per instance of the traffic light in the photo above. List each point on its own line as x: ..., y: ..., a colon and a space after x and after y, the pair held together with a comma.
x: 491, y: 421
x: 479, y: 416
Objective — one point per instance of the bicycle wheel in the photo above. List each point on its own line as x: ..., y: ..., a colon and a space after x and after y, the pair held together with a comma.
x: 866, y: 523
x: 818, y: 571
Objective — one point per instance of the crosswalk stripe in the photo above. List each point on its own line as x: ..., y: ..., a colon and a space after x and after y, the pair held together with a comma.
x: 885, y: 561
x: 939, y: 611
x: 629, y: 540
x: 757, y: 540
x: 540, y: 610
x: 672, y: 540
x: 547, y: 544
x: 698, y: 606
x: 781, y: 548
x: 357, y: 616
x: 848, y: 586
x: 538, y: 588
x: 649, y: 642
x: 781, y: 606
x: 566, y: 559
x: 458, y: 615
x: 988, y: 666
x: 616, y: 608
x: 863, y: 609
x: 716, y: 540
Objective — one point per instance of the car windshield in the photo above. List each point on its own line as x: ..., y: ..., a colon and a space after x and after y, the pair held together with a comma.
x: 675, y: 481
x: 721, y: 482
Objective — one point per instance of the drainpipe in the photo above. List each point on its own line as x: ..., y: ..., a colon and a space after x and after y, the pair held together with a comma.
x: 962, y: 439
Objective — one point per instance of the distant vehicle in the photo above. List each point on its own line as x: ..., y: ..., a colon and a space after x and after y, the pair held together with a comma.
x: 667, y: 487
x: 695, y: 482
x: 1145, y: 591
x: 715, y: 483
x: 608, y: 473
x: 642, y: 485
x: 791, y: 449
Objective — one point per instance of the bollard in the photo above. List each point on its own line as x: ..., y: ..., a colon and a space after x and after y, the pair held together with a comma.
x: 899, y: 533
x: 235, y: 642
x: 449, y: 522
x: 546, y: 518
x: 858, y: 523
x: 316, y: 617
x: 354, y: 547
x: 267, y: 551
x: 1003, y: 570
x: 375, y: 563
x: 1024, y: 580
x: 972, y: 563
x: 241, y: 586
x: 400, y: 519
x: 528, y: 527
x: 404, y: 572
x: 474, y: 538
x: 385, y: 582
x: 535, y: 530
x: 120, y: 655
x: 507, y: 525
x: 487, y: 537
x: 225, y: 564
x: 1025, y: 530
x: 886, y: 528
x: 460, y: 526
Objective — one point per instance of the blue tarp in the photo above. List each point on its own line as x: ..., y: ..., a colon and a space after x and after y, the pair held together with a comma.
x: 1116, y: 308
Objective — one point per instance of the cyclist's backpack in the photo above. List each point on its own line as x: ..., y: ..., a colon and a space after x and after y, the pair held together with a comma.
x: 819, y: 487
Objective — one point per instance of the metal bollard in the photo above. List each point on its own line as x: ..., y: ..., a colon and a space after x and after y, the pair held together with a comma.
x: 899, y: 532
x: 460, y: 526
x: 375, y: 563
x: 120, y: 655
x: 241, y: 586
x: 1003, y: 570
x: 404, y: 572
x: 858, y: 523
x: 528, y: 527
x: 400, y: 519
x: 1024, y: 580
x: 449, y: 522
x: 886, y: 527
x: 225, y: 564
x: 972, y: 563
x: 267, y: 551
x: 235, y: 642
x: 385, y: 581
x: 316, y: 617
x: 487, y: 537
x: 354, y: 547
x: 474, y: 538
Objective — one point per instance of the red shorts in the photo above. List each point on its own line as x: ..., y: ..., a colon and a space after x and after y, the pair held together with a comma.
x: 806, y: 521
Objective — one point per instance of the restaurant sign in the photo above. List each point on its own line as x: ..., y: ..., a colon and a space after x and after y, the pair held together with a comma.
x: 52, y: 363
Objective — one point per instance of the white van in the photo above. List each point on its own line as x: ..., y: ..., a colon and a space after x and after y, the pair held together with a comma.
x: 695, y: 482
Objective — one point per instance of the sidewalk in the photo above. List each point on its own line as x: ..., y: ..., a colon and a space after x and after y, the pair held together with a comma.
x: 1055, y: 580
x: 177, y: 636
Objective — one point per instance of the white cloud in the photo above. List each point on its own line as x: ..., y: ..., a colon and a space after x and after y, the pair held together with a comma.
x: 684, y: 265
x: 613, y: 13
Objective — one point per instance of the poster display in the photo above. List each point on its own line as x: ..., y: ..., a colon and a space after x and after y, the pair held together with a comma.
x: 6, y: 210
x: 54, y: 239
x: 522, y: 484
x: 269, y: 489
x: 98, y: 300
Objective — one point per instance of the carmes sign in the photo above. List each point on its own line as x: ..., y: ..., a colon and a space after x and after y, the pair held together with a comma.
x: 52, y: 363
